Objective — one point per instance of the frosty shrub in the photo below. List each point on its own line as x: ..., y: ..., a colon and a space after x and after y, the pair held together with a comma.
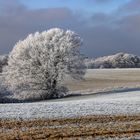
x: 3, y: 61
x: 38, y: 65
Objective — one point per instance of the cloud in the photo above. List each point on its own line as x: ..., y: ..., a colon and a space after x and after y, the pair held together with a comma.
x: 102, y: 33
x: 131, y: 6
x: 104, y: 41
x: 101, y: 1
x: 16, y: 23
x: 11, y: 7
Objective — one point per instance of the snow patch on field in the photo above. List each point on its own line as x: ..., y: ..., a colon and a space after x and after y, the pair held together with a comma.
x: 104, y: 104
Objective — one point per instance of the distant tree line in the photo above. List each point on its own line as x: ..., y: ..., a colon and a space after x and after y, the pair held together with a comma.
x: 119, y: 60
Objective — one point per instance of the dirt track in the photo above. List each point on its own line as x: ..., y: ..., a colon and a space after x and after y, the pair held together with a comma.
x: 88, y: 127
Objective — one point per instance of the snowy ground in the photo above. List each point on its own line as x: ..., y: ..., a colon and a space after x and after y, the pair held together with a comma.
x: 113, y: 104
x: 106, y: 92
x: 125, y: 98
x: 97, y: 80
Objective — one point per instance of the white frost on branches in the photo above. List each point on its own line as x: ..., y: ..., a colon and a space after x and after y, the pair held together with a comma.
x: 3, y: 61
x: 119, y: 60
x: 38, y: 65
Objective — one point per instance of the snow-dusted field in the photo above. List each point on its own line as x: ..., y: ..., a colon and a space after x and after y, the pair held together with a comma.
x: 113, y: 104
x: 107, y: 79
x: 117, y: 93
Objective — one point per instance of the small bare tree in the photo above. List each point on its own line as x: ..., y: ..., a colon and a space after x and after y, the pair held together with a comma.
x: 38, y: 65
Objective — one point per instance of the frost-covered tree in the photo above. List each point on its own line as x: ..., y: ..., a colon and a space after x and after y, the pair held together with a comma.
x: 38, y: 65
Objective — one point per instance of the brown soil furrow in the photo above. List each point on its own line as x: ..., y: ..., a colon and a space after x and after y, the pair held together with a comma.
x: 75, y: 128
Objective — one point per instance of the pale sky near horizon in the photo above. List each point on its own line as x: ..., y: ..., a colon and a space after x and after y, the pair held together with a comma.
x: 106, y: 26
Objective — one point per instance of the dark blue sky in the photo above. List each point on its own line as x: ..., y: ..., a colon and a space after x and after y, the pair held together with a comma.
x: 106, y: 26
